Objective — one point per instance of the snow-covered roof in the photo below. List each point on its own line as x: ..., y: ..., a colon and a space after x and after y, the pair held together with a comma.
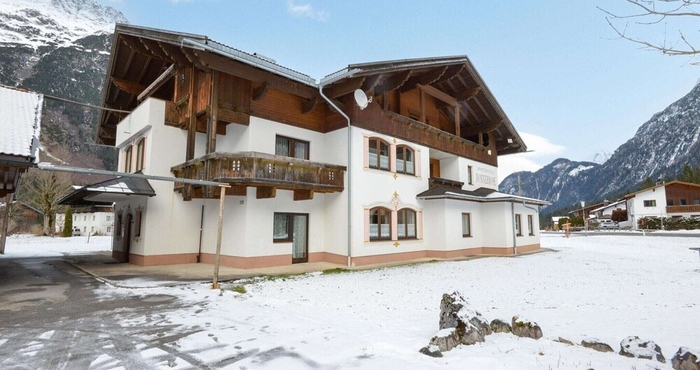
x: 20, y: 123
x: 484, y: 195
x: 607, y: 206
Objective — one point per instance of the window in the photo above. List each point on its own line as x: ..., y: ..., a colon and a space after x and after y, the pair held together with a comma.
x: 470, y: 180
x: 379, y: 224
x: 650, y: 203
x: 85, y: 218
x: 109, y: 229
x: 140, y: 148
x: 669, y: 202
x: 282, y: 228
x: 406, y: 220
x: 466, y: 225
x: 92, y: 229
x: 118, y: 227
x: 289, y: 147
x: 530, y: 229
x: 378, y: 154
x: 696, y: 201
x: 109, y: 218
x: 683, y: 202
x: 518, y: 229
x: 127, y: 160
x: 93, y: 217
x: 137, y: 223
x: 405, y: 160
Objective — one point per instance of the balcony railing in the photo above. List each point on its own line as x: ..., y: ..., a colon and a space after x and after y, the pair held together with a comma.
x: 263, y: 170
x: 694, y: 208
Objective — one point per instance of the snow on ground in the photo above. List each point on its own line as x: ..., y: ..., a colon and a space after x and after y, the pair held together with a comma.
x: 603, y: 286
x: 26, y: 245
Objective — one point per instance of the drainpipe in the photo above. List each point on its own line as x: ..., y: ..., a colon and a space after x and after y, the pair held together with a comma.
x: 321, y: 85
x: 512, y: 211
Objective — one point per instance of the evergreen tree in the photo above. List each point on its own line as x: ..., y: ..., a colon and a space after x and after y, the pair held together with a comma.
x: 687, y: 175
x: 68, y: 223
x: 648, y: 183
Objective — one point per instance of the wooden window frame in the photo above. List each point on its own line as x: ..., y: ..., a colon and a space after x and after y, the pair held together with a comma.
x: 290, y: 230
x: 530, y: 225
x: 518, y: 225
x: 380, y: 237
x: 292, y: 146
x: 140, y: 154
x: 404, y: 212
x: 127, y: 159
x: 469, y: 225
x: 378, y: 145
x: 404, y: 149
x: 650, y: 203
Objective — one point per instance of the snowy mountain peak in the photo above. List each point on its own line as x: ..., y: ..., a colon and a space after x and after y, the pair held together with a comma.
x: 38, y: 23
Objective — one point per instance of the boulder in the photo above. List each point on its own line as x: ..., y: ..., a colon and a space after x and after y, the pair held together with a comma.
x: 431, y: 351
x: 500, y: 326
x: 686, y: 359
x: 468, y: 324
x: 632, y: 346
x: 446, y: 339
x: 595, y: 344
x: 525, y: 328
x: 564, y: 341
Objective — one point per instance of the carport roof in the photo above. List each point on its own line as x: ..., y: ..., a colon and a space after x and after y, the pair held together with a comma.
x: 108, y: 192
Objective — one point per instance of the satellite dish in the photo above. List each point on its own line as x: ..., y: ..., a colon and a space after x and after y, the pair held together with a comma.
x: 361, y: 99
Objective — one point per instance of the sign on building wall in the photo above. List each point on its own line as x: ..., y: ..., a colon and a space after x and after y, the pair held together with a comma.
x: 486, y: 177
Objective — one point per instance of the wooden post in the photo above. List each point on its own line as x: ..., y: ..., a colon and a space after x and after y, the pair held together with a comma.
x: 217, y: 258
x: 5, y: 222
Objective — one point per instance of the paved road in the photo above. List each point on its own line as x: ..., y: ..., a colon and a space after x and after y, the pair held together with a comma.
x: 51, y: 318
x: 627, y: 233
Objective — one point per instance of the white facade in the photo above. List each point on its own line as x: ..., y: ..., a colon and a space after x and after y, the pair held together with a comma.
x: 170, y: 227
x: 93, y: 223
x: 654, y: 202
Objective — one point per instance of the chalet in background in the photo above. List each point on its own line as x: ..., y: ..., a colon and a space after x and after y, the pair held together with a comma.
x: 314, y: 177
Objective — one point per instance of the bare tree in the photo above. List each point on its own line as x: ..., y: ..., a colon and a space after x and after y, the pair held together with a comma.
x: 669, y: 17
x: 43, y: 190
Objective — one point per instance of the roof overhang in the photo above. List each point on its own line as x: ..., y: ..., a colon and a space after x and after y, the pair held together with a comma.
x: 481, y: 195
x: 107, y: 192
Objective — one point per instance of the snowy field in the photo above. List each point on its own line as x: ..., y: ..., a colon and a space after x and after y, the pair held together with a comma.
x: 604, y: 286
x: 25, y: 245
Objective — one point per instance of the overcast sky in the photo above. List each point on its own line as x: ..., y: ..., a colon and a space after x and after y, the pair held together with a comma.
x: 570, y: 87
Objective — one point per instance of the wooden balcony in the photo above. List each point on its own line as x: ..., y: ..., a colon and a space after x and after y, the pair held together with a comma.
x: 694, y: 208
x: 265, y: 172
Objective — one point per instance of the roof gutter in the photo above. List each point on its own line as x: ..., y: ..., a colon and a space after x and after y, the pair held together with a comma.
x: 324, y: 82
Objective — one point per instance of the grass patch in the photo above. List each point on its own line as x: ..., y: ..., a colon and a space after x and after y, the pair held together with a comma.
x: 239, y: 289
x: 337, y: 270
x: 282, y: 277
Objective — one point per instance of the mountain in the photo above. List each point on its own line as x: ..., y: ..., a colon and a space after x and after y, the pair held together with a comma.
x: 659, y: 149
x: 60, y: 48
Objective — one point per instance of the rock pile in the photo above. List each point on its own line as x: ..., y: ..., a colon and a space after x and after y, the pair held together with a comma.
x: 635, y: 347
x: 686, y: 359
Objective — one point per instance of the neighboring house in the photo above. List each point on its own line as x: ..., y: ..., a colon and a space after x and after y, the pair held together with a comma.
x: 606, y: 211
x: 93, y: 220
x: 671, y: 199
x: 313, y: 176
x: 23, y: 217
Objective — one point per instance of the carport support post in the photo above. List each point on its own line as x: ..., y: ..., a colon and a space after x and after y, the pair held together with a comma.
x: 5, y: 222
x: 217, y: 258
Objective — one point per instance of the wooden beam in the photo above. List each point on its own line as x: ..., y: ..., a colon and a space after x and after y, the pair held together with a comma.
x: 309, y: 105
x: 234, y: 116
x: 426, y: 78
x: 158, y: 82
x: 192, y: 126
x: 213, y: 119
x: 251, y: 73
x: 438, y: 94
x: 237, y: 190
x: 450, y: 73
x: 472, y: 130
x: 129, y: 87
x: 260, y: 91
x: 174, y: 53
x: 458, y: 122
x: 301, y: 194
x: 344, y: 88
x: 371, y: 82
x: 136, y: 45
x: 392, y: 83
x: 465, y: 95
x: 265, y: 192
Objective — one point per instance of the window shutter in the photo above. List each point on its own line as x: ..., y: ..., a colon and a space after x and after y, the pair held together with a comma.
x: 365, y: 154
x: 417, y: 164
x: 366, y: 213
x: 419, y: 232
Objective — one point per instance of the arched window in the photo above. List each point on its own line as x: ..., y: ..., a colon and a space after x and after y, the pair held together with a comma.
x: 140, y: 150
x: 378, y: 154
x: 406, y: 222
x: 405, y: 162
x: 379, y: 224
x: 127, y: 160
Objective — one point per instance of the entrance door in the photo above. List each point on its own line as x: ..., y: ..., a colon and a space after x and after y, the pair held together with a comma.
x: 300, y: 238
x: 127, y: 237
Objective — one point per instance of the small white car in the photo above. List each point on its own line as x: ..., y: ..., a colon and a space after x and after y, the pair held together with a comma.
x: 607, y: 224
x: 76, y: 231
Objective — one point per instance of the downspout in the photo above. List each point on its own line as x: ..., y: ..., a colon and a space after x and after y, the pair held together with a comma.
x: 321, y: 85
x: 512, y: 212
